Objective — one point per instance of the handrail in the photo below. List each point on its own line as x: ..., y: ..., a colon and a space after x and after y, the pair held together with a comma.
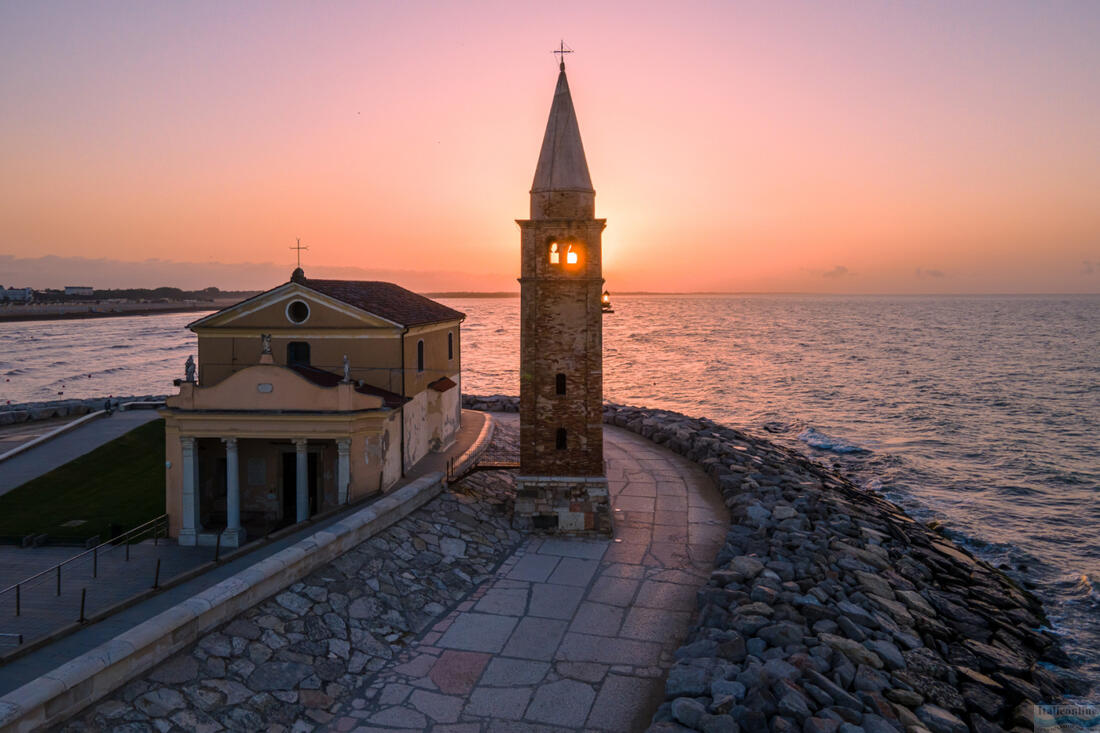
x: 153, y: 524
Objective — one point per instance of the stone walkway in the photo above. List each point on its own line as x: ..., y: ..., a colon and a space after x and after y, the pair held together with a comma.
x: 571, y: 634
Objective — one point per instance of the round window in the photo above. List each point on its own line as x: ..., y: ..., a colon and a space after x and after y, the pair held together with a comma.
x: 297, y: 311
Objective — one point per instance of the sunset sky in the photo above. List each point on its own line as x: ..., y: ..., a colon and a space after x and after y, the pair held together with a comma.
x: 877, y: 147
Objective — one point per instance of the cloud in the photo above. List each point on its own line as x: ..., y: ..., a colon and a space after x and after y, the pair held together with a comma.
x: 837, y: 272
x: 930, y: 273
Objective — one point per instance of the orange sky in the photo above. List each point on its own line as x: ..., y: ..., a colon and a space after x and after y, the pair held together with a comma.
x: 832, y: 147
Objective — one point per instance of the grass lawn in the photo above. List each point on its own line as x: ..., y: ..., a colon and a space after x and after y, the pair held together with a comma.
x: 120, y: 483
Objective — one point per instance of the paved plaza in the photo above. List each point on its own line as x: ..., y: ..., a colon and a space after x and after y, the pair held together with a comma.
x: 571, y: 634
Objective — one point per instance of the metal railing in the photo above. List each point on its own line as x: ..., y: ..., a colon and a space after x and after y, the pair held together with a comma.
x: 155, y: 529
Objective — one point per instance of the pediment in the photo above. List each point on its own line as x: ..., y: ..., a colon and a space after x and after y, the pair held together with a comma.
x: 272, y: 312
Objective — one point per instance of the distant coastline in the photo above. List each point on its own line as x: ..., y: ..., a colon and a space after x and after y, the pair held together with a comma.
x: 67, y: 313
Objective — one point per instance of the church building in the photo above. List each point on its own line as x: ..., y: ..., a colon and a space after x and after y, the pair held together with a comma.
x: 307, y: 396
x: 562, y: 484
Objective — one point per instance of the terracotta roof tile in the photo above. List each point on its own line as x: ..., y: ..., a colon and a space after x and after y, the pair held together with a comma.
x: 324, y: 378
x: 392, y: 302
x: 443, y: 384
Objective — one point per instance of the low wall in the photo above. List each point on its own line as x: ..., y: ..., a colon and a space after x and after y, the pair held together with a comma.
x: 76, y: 684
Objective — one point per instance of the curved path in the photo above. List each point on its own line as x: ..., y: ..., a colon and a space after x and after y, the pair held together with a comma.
x: 43, y: 458
x: 571, y: 634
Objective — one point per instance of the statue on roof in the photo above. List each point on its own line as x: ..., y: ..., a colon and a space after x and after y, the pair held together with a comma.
x: 265, y: 343
x: 347, y: 369
x: 189, y: 369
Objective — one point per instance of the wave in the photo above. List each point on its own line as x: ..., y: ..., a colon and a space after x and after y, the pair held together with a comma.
x: 821, y: 441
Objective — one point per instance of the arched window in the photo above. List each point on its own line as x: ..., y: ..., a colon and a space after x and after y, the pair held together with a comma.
x: 420, y: 356
x: 561, y: 438
x: 450, y: 345
x: 297, y: 353
x: 555, y: 254
x: 559, y: 384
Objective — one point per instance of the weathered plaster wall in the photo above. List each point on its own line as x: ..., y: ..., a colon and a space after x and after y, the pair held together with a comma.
x: 417, y: 435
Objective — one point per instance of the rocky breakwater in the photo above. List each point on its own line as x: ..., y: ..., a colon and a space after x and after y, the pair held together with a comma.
x: 30, y: 411
x: 831, y: 610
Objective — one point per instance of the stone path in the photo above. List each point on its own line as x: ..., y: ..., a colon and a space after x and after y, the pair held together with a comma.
x: 450, y: 621
x: 570, y: 633
x: 46, y: 457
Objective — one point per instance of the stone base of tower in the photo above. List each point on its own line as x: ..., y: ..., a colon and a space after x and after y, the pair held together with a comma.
x: 564, y: 504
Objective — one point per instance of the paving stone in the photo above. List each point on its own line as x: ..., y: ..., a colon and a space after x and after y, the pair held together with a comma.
x: 554, y: 601
x: 574, y: 547
x: 574, y: 571
x: 498, y: 702
x: 586, y: 648
x: 456, y: 673
x: 506, y: 601
x: 583, y: 671
x: 534, y: 568
x: 505, y: 672
x: 440, y: 708
x: 666, y: 596
x: 597, y: 618
x: 624, y: 703
x: 564, y: 703
x: 649, y: 624
x: 613, y: 591
x: 535, y: 638
x: 400, y: 717
x: 478, y: 632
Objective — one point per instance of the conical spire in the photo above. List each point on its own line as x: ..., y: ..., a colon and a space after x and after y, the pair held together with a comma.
x: 562, y: 165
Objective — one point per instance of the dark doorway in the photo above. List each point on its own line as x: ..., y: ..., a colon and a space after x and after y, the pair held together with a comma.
x: 290, y: 486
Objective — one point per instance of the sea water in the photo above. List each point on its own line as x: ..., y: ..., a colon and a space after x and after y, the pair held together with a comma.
x: 982, y: 413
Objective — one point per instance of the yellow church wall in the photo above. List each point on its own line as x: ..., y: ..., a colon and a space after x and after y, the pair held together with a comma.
x: 436, y: 363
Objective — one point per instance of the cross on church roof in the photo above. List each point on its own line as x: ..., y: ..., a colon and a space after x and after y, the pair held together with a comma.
x: 561, y: 51
x: 299, y: 248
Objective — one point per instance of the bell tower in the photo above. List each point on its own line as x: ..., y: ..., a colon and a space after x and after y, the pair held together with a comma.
x: 561, y: 484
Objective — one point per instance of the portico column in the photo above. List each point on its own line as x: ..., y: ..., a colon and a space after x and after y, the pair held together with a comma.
x: 343, y: 469
x: 233, y: 534
x: 302, y: 479
x: 188, y: 498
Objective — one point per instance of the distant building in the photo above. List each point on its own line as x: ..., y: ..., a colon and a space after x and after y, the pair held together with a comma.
x: 308, y: 396
x: 17, y: 295
x: 79, y: 290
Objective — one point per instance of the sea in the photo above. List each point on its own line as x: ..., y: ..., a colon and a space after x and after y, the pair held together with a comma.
x: 980, y: 413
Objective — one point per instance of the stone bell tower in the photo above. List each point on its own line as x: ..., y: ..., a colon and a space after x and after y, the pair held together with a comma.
x: 561, y: 484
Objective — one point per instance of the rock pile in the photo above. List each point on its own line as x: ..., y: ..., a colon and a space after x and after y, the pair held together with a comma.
x: 491, y: 403
x: 831, y: 610
x: 28, y: 411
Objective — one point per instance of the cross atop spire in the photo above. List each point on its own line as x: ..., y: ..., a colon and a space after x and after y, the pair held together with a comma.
x: 299, y: 249
x: 561, y: 51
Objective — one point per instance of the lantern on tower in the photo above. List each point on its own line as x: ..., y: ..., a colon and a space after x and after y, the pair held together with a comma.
x: 605, y: 302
